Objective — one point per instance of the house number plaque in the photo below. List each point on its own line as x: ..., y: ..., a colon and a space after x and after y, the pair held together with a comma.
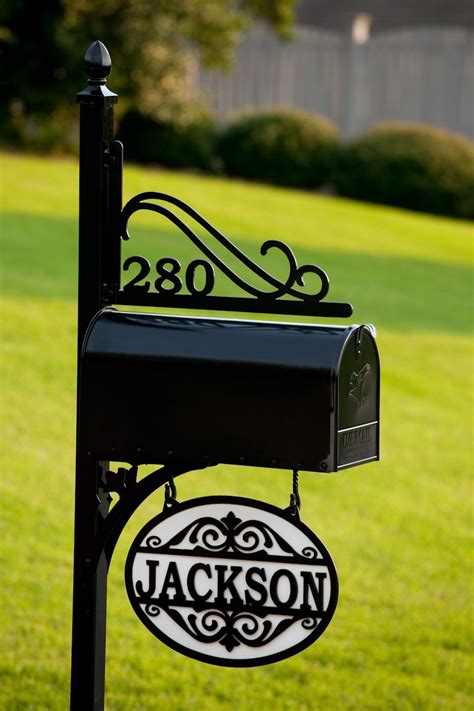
x: 231, y: 581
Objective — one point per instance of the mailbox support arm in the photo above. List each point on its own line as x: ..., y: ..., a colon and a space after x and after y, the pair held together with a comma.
x: 131, y: 497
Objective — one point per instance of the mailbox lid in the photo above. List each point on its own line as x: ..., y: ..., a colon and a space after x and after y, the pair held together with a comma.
x: 120, y: 334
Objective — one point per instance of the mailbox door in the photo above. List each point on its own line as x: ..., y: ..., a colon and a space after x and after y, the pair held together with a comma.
x: 358, y: 400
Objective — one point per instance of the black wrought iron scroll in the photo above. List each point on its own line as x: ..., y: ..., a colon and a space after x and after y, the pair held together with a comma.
x: 231, y: 628
x: 163, y: 287
x: 231, y: 537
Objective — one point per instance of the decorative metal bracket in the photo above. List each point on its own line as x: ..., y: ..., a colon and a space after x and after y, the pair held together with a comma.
x: 168, y: 282
x: 132, y: 493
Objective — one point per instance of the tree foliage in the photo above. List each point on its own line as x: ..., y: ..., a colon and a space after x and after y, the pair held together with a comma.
x: 155, y: 45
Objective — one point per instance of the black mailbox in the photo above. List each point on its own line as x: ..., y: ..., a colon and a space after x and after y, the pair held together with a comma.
x: 162, y: 388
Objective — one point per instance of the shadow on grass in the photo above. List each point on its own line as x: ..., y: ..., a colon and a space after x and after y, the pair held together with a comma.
x: 38, y: 258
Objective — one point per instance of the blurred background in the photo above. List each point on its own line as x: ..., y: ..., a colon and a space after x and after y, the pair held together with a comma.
x: 358, y: 63
x: 344, y: 129
x: 359, y: 98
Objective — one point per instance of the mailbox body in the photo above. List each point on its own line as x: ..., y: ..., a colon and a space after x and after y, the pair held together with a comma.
x: 159, y: 388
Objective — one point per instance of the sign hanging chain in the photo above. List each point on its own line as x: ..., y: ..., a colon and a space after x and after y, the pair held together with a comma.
x: 295, y: 499
x: 170, y: 495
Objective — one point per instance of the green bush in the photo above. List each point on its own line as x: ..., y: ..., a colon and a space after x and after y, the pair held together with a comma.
x: 279, y: 146
x: 175, y: 145
x: 56, y: 132
x: 414, y: 166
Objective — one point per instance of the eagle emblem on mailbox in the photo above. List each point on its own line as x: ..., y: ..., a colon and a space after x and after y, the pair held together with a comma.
x: 358, y: 385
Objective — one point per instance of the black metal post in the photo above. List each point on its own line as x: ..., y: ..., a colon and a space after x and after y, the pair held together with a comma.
x: 98, y: 279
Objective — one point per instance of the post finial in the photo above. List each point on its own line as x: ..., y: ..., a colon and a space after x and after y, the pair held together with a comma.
x: 97, y: 63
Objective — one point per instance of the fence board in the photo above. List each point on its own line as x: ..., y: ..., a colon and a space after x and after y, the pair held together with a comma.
x: 420, y: 74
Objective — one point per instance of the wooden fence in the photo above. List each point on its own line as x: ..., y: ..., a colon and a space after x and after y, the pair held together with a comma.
x: 421, y: 74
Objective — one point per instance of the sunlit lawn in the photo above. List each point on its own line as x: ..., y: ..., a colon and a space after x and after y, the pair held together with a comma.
x: 399, y: 531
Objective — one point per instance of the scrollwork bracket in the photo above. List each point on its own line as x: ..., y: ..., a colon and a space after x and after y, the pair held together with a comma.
x: 165, y: 286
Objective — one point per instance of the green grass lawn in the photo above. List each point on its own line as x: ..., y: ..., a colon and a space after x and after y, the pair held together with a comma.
x: 399, y: 531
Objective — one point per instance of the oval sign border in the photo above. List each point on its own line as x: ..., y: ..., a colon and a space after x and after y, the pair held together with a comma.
x: 222, y: 661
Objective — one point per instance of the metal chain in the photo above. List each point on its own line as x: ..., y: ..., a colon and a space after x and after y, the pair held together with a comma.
x: 170, y: 495
x: 295, y: 499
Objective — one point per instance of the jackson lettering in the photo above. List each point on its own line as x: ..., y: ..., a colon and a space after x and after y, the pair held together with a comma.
x: 231, y: 585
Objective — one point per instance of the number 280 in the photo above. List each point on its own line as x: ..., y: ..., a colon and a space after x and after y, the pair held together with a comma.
x: 168, y: 281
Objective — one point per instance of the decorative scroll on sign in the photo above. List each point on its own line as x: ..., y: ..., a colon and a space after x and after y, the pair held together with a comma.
x: 231, y: 581
x: 163, y: 282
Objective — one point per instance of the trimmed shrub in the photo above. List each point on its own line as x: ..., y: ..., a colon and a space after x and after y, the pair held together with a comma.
x: 175, y: 145
x: 415, y: 166
x: 279, y: 146
x: 45, y: 133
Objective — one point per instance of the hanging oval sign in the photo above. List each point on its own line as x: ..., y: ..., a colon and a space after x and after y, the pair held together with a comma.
x: 231, y: 581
